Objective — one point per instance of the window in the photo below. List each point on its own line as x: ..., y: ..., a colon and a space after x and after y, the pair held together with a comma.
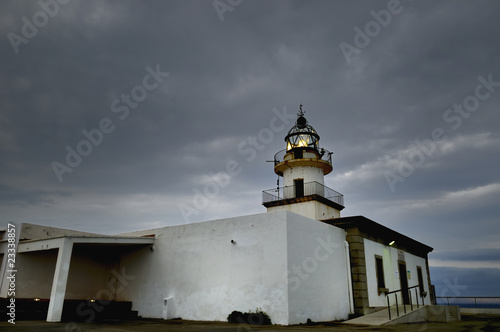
x: 379, y: 265
x: 420, y: 281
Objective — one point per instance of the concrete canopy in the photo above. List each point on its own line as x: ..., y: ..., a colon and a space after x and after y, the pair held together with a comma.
x: 65, y: 244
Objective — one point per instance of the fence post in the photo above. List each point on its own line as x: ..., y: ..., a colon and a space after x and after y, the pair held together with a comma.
x: 388, y: 306
x: 411, y: 301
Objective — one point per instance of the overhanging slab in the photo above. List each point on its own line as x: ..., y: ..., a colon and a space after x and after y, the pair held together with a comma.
x: 54, y: 243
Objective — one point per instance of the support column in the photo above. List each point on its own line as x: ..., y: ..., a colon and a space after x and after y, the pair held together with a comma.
x: 58, y: 291
x: 358, y: 270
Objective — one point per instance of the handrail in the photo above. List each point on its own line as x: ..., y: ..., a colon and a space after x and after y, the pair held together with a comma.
x: 473, y: 301
x: 404, y: 305
x: 399, y: 290
x: 310, y: 188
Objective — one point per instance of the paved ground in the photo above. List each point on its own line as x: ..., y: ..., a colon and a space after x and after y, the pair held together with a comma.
x: 486, y: 323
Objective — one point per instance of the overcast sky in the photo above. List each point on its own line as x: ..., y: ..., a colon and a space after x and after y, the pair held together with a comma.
x: 123, y: 115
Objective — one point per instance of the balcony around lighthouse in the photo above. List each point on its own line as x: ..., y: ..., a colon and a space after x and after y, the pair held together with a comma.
x: 310, y: 191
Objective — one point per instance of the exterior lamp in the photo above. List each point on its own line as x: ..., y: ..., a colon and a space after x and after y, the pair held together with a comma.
x: 392, y: 243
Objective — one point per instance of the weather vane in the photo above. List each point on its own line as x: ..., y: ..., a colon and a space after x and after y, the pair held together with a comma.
x: 301, y: 112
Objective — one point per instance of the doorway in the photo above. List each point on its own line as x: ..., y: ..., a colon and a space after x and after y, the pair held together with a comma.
x: 403, y: 278
x: 299, y: 188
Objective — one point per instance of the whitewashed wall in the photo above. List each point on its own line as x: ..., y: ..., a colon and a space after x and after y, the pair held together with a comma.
x: 203, y: 276
x: 391, y: 273
x: 318, y: 278
x: 310, y: 209
x: 308, y: 173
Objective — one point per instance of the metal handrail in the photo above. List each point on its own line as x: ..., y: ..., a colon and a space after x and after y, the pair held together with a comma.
x: 404, y: 305
x: 310, y: 188
x: 484, y: 301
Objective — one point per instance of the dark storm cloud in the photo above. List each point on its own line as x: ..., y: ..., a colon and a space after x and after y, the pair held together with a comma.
x: 469, y: 255
x: 29, y: 197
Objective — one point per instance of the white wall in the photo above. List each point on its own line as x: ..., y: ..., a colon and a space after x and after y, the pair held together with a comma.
x: 35, y: 274
x: 391, y: 273
x: 206, y: 276
x: 290, y: 266
x: 91, y: 270
x: 308, y: 173
x: 318, y: 286
x: 310, y: 209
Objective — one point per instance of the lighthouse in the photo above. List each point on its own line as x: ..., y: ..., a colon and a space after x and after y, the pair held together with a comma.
x: 303, y: 166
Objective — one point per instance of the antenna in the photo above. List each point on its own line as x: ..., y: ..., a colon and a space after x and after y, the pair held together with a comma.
x: 277, y: 181
x: 278, y: 186
x: 301, y: 112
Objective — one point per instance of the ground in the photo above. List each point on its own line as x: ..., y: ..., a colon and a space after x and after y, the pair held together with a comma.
x: 486, y: 323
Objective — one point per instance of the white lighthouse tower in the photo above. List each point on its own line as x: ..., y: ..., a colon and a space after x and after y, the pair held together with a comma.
x: 303, y: 165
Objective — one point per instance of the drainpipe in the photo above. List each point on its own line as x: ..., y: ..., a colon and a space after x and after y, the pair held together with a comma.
x: 349, y: 278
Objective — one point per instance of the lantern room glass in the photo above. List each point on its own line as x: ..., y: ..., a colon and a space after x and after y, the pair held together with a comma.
x: 302, y: 135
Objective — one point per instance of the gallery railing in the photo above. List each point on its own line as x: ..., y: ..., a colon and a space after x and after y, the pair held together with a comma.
x: 310, y: 188
x: 478, y: 302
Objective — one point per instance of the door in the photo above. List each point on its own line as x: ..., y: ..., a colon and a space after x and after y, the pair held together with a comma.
x: 299, y: 188
x: 403, y: 278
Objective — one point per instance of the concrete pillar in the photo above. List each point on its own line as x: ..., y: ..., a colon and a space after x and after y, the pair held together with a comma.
x: 358, y: 270
x: 60, y: 280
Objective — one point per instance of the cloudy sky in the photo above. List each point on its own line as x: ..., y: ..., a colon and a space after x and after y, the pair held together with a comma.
x: 125, y: 115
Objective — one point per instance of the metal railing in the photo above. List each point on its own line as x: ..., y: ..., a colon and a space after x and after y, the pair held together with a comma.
x: 484, y: 302
x: 310, y: 188
x: 324, y: 155
x: 395, y: 292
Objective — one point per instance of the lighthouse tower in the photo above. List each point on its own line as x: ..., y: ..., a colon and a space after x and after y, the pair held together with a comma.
x: 303, y: 166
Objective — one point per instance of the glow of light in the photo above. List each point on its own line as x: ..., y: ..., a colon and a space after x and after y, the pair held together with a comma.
x: 392, y: 243
x: 302, y: 143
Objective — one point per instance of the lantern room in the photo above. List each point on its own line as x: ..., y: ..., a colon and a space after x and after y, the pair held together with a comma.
x: 301, y: 135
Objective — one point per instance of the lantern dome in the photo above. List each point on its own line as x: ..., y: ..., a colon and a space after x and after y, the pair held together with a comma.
x: 302, y: 135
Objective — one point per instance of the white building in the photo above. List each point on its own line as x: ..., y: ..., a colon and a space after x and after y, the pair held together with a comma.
x: 300, y: 260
